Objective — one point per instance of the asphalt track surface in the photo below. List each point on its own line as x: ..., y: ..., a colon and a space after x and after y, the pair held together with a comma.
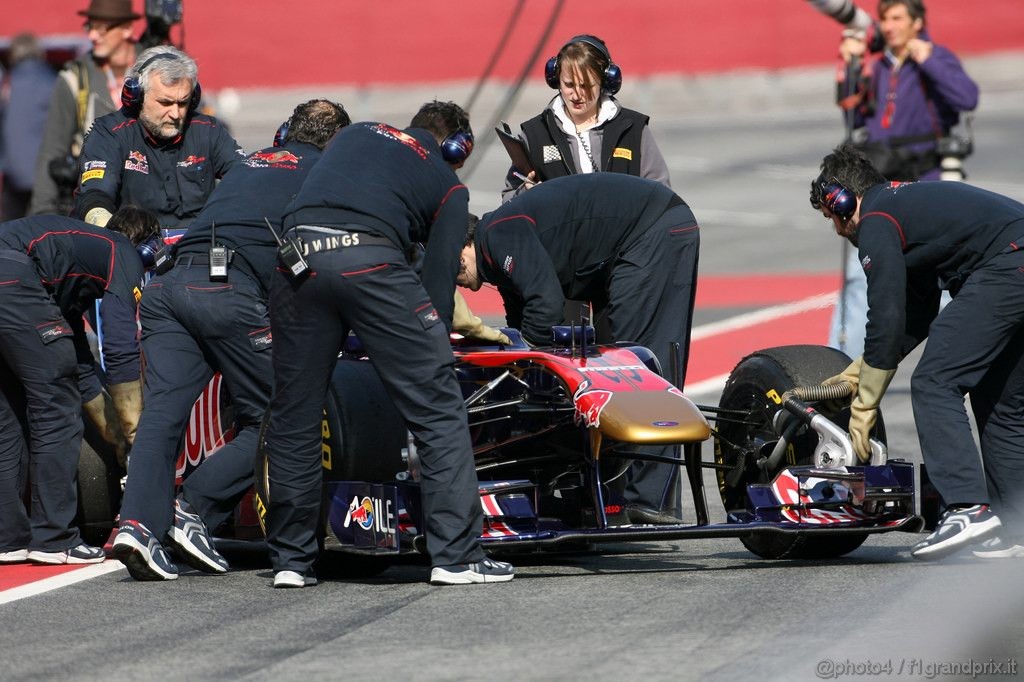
x: 681, y: 610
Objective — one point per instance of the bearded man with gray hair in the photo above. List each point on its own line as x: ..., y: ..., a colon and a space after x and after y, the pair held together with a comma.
x: 158, y: 152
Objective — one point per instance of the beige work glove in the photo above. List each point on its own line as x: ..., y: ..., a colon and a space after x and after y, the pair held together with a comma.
x: 851, y: 374
x: 100, y: 411
x: 469, y: 325
x: 127, y: 398
x: 872, y: 384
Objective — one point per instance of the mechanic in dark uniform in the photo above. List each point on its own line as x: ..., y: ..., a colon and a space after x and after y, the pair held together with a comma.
x: 627, y: 245
x: 915, y: 239
x: 51, y: 269
x: 157, y: 152
x: 194, y: 324
x: 375, y: 192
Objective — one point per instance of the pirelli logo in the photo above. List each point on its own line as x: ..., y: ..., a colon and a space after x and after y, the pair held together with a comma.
x: 623, y: 153
x: 92, y: 175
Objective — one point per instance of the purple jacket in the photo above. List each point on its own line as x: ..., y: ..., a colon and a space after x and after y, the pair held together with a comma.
x: 922, y: 99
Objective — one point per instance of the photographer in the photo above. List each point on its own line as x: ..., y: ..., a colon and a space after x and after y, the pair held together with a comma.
x: 88, y: 87
x: 902, y: 107
x: 909, y: 97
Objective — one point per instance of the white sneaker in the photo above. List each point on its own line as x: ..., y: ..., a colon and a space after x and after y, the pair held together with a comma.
x: 997, y: 548
x: 293, y: 579
x: 15, y: 556
x: 82, y: 554
x: 486, y: 571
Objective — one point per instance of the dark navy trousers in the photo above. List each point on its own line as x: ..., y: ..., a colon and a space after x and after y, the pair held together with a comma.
x: 976, y: 347
x: 37, y: 363
x: 372, y: 291
x: 191, y: 328
x: 650, y: 301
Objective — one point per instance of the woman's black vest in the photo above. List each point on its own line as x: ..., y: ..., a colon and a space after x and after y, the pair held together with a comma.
x: 620, y: 144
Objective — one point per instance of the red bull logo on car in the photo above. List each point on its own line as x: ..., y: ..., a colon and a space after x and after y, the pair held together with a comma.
x: 589, y: 403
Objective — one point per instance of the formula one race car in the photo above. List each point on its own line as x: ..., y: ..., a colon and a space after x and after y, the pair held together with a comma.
x: 554, y: 427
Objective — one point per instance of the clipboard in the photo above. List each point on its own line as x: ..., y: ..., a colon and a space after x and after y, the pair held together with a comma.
x: 516, y: 149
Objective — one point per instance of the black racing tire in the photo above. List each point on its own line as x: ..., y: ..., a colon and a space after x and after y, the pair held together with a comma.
x: 99, y: 488
x: 363, y: 436
x: 749, y: 389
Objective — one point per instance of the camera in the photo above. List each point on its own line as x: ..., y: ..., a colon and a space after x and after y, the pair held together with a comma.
x: 956, y: 146
x: 161, y: 15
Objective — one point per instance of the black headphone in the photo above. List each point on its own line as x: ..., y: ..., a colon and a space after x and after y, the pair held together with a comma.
x: 457, y: 147
x: 833, y: 195
x: 150, y: 249
x: 282, y: 133
x: 132, y: 92
x: 611, y: 79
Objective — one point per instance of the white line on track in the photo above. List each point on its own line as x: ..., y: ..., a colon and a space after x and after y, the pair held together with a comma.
x: 717, y: 383
x: 62, y: 580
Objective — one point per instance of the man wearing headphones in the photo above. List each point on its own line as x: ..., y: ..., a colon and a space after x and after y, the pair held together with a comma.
x: 197, y: 320
x: 626, y: 245
x: 376, y: 191
x: 157, y: 152
x: 914, y: 240
x: 52, y: 268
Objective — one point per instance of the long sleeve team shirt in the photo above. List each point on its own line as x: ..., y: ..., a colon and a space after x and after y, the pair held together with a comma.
x: 916, y: 239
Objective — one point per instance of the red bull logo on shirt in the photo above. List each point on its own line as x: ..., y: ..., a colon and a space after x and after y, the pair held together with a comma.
x: 280, y: 158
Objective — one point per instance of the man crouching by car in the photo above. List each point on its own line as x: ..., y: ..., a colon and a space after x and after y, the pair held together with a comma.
x: 53, y: 268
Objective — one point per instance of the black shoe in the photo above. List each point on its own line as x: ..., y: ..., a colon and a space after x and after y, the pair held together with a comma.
x: 957, y: 529
x: 646, y: 516
x: 142, y: 554
x: 486, y: 571
x: 193, y: 542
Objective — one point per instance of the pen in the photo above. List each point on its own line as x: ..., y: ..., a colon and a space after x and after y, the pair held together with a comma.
x: 522, y: 177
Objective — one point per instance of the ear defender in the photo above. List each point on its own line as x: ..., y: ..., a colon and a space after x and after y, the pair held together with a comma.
x: 457, y: 147
x: 132, y: 91
x: 611, y: 79
x: 834, y: 196
x: 282, y: 134
x: 149, y: 249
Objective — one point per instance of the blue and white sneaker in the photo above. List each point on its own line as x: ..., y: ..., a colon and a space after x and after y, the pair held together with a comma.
x: 192, y: 541
x: 81, y: 554
x: 958, y: 528
x: 486, y: 571
x: 142, y: 554
x: 998, y: 548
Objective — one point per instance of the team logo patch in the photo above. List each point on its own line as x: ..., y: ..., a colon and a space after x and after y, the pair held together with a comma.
x: 508, y: 265
x: 92, y: 165
x: 92, y: 175
x: 550, y: 153
x: 400, y: 136
x: 623, y: 153
x: 866, y: 263
x: 275, y: 159
x: 192, y: 160
x: 137, y: 293
x: 261, y: 339
x: 137, y: 162
x: 51, y: 331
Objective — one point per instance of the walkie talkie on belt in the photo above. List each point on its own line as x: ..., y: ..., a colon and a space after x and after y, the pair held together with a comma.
x: 218, y: 258
x: 290, y: 253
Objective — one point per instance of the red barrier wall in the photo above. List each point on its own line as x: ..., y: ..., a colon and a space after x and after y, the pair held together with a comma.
x: 270, y: 43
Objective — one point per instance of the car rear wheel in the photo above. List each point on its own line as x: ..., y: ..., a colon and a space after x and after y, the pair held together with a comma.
x: 751, y: 393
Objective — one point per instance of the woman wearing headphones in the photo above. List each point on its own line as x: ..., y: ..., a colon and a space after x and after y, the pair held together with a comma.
x: 584, y: 129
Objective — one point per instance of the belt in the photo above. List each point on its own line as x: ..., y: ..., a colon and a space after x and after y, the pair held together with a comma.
x: 338, y: 240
